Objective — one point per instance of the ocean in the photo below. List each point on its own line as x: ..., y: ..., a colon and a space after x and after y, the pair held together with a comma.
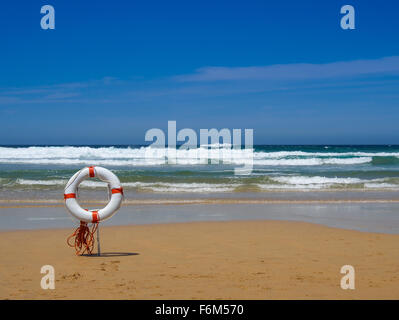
x: 144, y: 169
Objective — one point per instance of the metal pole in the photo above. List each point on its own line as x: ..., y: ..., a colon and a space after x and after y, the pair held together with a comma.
x: 98, y: 227
x: 98, y: 241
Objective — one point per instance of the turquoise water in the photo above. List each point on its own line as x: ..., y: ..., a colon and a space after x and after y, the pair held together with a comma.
x: 145, y: 169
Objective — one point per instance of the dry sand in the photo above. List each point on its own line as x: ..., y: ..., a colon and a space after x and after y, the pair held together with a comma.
x: 203, y: 260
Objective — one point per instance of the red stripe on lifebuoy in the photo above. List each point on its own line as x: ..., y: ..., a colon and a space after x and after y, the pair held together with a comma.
x: 94, y: 216
x: 117, y: 190
x: 91, y: 172
x: 69, y: 196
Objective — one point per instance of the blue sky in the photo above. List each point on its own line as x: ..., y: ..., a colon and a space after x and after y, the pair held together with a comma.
x: 111, y: 70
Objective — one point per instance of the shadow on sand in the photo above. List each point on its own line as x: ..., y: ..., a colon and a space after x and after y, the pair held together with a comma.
x: 111, y: 254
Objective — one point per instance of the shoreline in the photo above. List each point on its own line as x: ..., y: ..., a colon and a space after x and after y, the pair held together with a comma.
x: 379, y: 217
x: 55, y: 197
x: 53, y: 203
x: 203, y: 260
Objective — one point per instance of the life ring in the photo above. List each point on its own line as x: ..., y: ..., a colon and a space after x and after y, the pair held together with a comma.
x: 94, y: 216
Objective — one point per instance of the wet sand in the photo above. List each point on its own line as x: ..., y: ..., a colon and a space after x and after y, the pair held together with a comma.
x: 379, y: 217
x: 203, y: 260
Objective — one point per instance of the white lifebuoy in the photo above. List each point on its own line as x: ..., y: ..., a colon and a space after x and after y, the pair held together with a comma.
x: 93, y: 216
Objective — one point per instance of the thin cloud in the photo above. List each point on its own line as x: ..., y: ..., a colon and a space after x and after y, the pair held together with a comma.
x: 61, y: 92
x: 68, y: 86
x: 297, y: 71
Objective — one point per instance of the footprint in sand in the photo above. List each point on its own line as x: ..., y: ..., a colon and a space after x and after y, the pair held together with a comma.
x: 113, y: 265
x: 74, y: 276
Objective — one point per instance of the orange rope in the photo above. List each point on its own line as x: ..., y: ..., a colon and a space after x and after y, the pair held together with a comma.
x: 83, y: 238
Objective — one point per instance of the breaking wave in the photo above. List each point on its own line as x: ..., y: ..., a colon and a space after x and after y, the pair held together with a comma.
x: 148, y: 156
x: 204, y: 170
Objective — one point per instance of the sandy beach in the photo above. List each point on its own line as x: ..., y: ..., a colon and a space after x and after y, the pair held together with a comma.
x: 203, y: 260
x: 224, y: 151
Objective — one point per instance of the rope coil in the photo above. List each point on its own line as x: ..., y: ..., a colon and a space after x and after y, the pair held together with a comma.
x: 83, y: 238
